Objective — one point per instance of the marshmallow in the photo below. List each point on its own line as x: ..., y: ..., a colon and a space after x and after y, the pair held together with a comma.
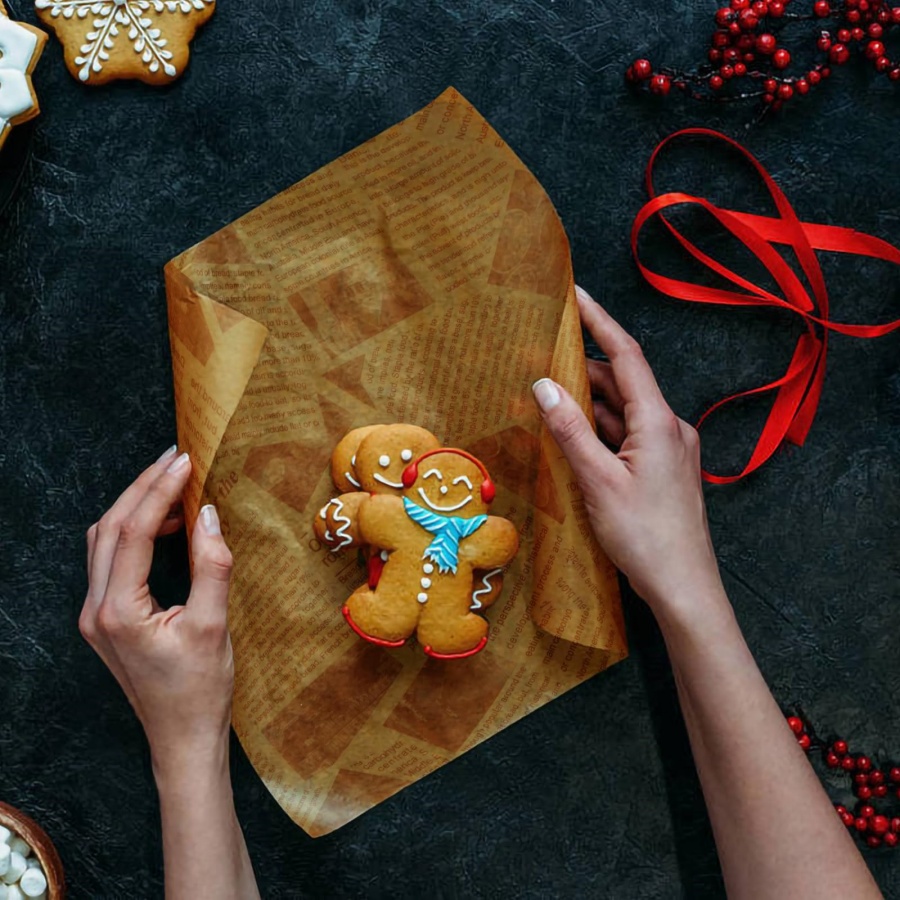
x: 14, y: 893
x: 5, y: 835
x: 5, y: 854
x: 33, y: 883
x: 17, y: 866
x: 4, y: 891
x: 20, y: 846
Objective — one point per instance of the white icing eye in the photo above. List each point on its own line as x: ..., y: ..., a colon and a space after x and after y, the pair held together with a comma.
x: 435, y: 472
x: 444, y: 489
x: 384, y: 461
x: 463, y: 479
x: 406, y: 455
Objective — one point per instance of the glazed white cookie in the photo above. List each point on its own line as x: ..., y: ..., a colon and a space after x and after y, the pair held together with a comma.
x: 21, y: 46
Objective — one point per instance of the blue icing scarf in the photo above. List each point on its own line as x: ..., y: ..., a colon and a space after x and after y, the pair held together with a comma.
x: 448, y: 531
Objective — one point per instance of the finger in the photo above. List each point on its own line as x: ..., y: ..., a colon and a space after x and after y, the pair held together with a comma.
x: 108, y: 527
x: 603, y: 382
x: 633, y: 374
x: 212, y: 570
x: 589, y: 459
x: 134, y: 551
x: 173, y: 522
x: 610, y: 424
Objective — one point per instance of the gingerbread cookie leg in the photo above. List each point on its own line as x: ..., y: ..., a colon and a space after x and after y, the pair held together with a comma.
x: 445, y: 634
x: 388, y: 615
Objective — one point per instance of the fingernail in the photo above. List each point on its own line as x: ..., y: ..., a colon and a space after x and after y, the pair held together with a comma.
x: 546, y: 393
x: 583, y: 294
x: 179, y: 463
x: 210, y: 520
x: 168, y: 453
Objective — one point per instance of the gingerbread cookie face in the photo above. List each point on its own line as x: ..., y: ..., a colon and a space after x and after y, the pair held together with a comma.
x: 21, y: 46
x: 107, y: 40
x: 384, y: 454
x: 448, y: 483
x: 343, y: 460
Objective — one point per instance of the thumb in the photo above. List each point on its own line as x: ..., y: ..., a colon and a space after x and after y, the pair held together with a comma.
x: 212, y: 568
x: 571, y: 430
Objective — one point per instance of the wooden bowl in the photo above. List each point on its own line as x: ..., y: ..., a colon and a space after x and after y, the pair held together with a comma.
x: 41, y: 846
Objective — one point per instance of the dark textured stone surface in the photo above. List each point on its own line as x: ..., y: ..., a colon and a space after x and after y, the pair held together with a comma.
x: 595, y: 794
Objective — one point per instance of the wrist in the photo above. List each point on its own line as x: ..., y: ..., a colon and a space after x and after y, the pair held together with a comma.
x: 187, y: 764
x: 694, y: 604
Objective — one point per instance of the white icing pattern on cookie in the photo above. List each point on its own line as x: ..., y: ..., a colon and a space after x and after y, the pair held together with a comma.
x: 106, y: 17
x: 486, y: 581
x: 18, y: 47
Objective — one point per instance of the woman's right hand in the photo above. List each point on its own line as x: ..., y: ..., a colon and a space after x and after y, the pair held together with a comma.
x: 645, y: 498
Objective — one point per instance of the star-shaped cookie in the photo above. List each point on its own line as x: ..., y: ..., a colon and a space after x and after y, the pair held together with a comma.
x: 107, y: 40
x: 21, y: 46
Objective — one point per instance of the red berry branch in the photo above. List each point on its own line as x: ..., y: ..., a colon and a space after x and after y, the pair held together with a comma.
x: 870, y: 784
x: 745, y: 50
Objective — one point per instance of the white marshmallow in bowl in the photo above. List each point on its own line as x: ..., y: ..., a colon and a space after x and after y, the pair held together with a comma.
x: 33, y: 883
x: 5, y: 835
x: 19, y: 846
x: 5, y: 854
x: 17, y: 866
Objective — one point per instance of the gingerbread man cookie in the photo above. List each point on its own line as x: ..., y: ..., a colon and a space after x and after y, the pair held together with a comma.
x: 438, y: 533
x: 107, y: 40
x: 21, y: 46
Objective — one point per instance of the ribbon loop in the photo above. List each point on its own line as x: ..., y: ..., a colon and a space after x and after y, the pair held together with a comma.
x: 797, y: 392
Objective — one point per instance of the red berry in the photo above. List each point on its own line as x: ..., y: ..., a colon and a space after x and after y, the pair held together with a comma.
x: 847, y: 763
x: 894, y: 774
x: 769, y: 99
x: 740, y: 69
x: 642, y: 69
x: 770, y: 85
x: 776, y: 8
x: 895, y: 824
x: 781, y: 59
x: 895, y: 15
x: 760, y: 8
x: 863, y: 763
x: 766, y: 44
x: 715, y: 56
x: 880, y: 791
x: 724, y: 15
x: 660, y: 84
x: 727, y: 72
x: 843, y: 36
x: 880, y: 824
x: 894, y: 74
x: 731, y: 55
x: 853, y: 17
x: 838, y: 54
x: 873, y: 841
x: 822, y: 8
x: 875, y: 31
x: 857, y: 34
x: 716, y: 82
x: 802, y: 88
x: 746, y: 42
x: 825, y: 72
x: 884, y: 17
x: 830, y: 759
x: 824, y: 42
x: 864, y: 792
x: 867, y: 811
x: 795, y: 724
x: 813, y: 77
x: 861, y: 824
x: 876, y: 776
x: 874, y: 49
x: 721, y: 39
x: 848, y: 820
x: 785, y: 92
x: 747, y: 20
x: 839, y: 809
x: 890, y: 839
x: 739, y: 4
x: 860, y: 778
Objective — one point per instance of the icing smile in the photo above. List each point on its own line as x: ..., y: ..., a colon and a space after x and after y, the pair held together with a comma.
x: 393, y: 484
x: 442, y: 509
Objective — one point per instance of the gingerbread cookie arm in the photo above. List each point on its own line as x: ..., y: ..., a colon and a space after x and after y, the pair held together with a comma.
x: 383, y: 522
x: 337, y: 523
x: 493, y: 545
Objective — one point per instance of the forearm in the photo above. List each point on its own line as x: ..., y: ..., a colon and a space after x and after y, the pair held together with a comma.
x: 203, y: 846
x: 776, y: 831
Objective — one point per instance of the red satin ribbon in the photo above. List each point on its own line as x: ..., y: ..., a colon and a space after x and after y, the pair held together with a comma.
x: 798, y: 390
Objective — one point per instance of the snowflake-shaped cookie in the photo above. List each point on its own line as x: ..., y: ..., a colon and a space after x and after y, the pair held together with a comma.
x: 20, y: 48
x: 105, y: 40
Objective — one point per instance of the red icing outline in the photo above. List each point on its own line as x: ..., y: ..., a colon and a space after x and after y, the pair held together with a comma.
x: 368, y: 637
x: 472, y: 652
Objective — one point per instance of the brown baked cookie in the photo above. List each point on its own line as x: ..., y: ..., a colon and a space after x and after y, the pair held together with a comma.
x: 21, y: 46
x: 343, y: 459
x: 337, y: 524
x: 107, y: 40
x: 383, y: 455
x: 438, y: 533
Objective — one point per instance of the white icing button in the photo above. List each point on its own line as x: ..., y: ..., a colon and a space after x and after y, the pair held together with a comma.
x: 385, y: 555
x: 33, y: 883
x: 444, y: 489
x: 406, y: 455
x: 428, y: 568
x: 384, y: 461
x: 426, y: 583
x: 422, y: 598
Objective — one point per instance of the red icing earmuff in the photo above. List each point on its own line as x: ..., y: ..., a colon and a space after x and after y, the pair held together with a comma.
x: 411, y: 472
